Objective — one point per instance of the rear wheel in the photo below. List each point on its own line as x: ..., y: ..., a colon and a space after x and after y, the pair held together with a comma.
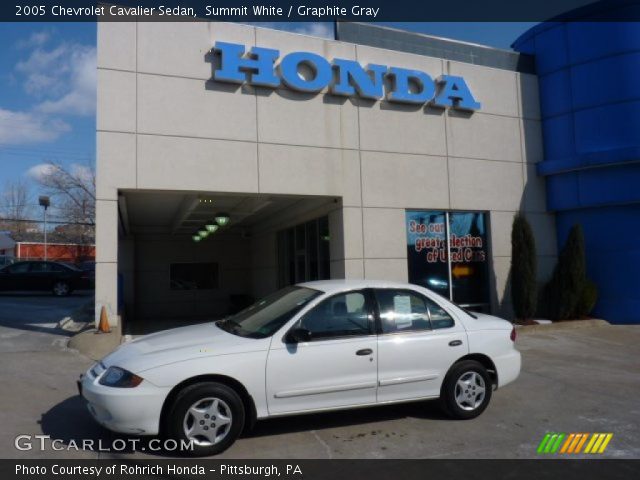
x: 466, y: 390
x: 61, y: 288
x: 209, y: 415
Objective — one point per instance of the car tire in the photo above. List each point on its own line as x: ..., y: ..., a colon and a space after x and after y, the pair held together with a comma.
x: 466, y: 390
x: 210, y: 414
x: 61, y: 288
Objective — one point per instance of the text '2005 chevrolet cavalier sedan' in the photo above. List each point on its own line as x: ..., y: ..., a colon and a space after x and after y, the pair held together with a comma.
x: 312, y: 347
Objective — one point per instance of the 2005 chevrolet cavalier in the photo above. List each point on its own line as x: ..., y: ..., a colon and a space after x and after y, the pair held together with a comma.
x: 312, y: 347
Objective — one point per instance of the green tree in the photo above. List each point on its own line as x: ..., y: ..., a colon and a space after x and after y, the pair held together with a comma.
x: 523, y: 269
x: 566, y: 287
x: 588, y: 299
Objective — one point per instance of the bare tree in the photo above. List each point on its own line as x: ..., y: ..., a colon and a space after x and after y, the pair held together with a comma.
x: 15, y: 208
x: 73, y: 197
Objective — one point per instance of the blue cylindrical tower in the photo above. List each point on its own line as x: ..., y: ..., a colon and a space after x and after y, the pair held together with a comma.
x: 589, y: 80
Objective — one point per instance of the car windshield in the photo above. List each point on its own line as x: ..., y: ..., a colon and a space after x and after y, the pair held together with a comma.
x: 265, y: 317
x: 70, y: 266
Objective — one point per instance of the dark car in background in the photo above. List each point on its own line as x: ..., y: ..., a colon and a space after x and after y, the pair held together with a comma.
x: 88, y: 274
x: 58, y: 278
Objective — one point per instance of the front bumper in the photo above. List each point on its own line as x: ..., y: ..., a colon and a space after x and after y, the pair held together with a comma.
x: 123, y: 410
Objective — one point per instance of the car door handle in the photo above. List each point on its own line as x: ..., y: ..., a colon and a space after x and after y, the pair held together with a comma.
x: 364, y: 351
x: 455, y: 343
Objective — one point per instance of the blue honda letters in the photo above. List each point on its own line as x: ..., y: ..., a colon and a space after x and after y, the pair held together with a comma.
x: 342, y: 77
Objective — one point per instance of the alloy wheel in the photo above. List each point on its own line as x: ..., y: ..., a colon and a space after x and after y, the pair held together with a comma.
x: 470, y: 391
x: 61, y: 289
x: 207, y: 422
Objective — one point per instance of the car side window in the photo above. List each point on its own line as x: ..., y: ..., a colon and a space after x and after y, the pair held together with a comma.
x: 342, y: 315
x: 402, y: 310
x: 19, y: 268
x: 38, y: 267
x: 439, y: 316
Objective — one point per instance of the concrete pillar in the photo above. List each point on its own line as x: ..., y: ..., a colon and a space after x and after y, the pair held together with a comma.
x: 107, y: 259
x: 346, y: 247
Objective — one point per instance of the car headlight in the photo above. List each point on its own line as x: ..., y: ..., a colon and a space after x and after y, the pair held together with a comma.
x: 119, y: 377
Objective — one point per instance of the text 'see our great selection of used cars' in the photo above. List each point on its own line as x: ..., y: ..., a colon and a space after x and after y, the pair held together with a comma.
x: 312, y: 347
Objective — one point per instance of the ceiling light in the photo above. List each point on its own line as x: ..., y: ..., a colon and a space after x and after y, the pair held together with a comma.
x: 212, y: 226
x: 203, y: 232
x: 222, y: 219
x: 196, y: 238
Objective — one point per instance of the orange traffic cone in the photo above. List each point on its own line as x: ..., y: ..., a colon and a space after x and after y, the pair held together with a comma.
x: 103, y: 325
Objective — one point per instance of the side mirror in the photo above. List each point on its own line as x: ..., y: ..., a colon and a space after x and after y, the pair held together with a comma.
x: 298, y: 335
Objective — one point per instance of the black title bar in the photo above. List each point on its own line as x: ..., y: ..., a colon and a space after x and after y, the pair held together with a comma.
x: 207, y: 469
x: 318, y: 10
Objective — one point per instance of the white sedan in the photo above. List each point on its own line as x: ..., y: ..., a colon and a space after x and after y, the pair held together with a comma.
x: 311, y: 347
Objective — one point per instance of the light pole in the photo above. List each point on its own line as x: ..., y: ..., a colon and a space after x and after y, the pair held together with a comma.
x: 44, y: 203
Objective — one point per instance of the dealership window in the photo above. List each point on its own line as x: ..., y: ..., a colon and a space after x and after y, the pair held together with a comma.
x: 303, y: 252
x: 194, y: 276
x: 448, y: 253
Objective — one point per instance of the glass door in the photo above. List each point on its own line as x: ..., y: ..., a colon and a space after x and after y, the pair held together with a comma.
x: 447, y: 252
x: 303, y: 252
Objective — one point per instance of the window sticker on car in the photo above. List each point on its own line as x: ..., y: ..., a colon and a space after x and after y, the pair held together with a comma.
x: 402, y: 310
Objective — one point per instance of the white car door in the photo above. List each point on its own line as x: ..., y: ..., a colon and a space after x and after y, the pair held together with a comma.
x: 337, y: 364
x: 420, y: 340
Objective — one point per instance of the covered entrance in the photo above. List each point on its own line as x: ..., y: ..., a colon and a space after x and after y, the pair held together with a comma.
x: 186, y: 257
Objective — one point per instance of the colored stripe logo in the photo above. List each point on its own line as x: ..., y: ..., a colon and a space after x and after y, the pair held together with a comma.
x: 573, y: 443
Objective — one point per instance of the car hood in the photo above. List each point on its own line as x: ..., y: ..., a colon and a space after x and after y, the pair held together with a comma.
x: 178, y: 345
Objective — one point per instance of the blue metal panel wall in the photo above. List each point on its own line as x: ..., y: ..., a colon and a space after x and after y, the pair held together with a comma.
x: 589, y: 77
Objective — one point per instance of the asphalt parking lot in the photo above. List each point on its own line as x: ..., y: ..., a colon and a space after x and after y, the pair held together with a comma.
x: 581, y: 380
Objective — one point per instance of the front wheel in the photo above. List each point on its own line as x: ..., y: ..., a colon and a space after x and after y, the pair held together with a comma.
x: 466, y: 390
x: 61, y: 288
x: 209, y: 415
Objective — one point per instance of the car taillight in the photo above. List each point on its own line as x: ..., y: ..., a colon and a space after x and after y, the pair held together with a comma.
x: 513, y: 334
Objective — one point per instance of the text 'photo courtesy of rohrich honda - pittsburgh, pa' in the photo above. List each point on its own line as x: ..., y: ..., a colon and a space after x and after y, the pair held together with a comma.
x: 329, y: 241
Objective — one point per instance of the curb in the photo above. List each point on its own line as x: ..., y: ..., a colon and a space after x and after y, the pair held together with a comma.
x: 562, y: 326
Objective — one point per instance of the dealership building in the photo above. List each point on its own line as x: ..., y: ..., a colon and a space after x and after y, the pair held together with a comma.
x: 234, y: 160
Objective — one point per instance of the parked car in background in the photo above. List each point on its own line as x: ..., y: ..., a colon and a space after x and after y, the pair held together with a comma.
x: 88, y: 274
x: 311, y: 347
x: 58, y: 278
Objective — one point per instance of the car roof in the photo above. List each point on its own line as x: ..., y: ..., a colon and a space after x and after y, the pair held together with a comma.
x: 52, y: 262
x: 338, y: 285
